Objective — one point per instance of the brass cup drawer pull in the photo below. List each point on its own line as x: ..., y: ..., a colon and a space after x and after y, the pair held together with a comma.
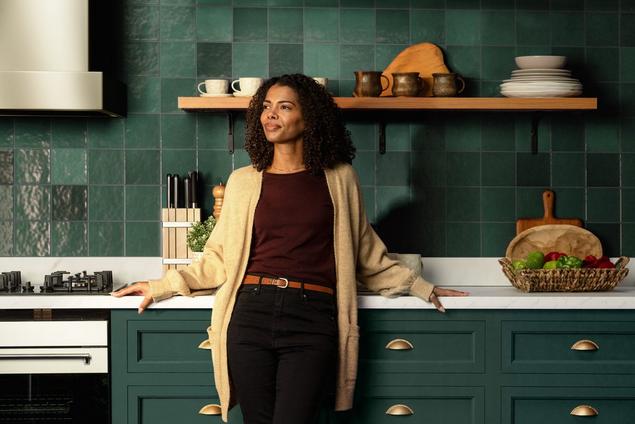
x: 205, y: 344
x: 585, y: 345
x: 584, y: 411
x: 399, y: 344
x: 399, y: 409
x: 211, y: 409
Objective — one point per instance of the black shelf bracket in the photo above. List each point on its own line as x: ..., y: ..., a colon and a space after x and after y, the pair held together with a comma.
x: 535, y: 122
x: 382, y: 137
x: 230, y: 132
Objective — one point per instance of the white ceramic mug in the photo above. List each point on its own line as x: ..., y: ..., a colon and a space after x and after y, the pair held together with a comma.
x: 321, y: 80
x: 248, y: 86
x: 214, y: 86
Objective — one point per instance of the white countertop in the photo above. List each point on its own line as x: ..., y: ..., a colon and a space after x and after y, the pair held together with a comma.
x: 480, y: 298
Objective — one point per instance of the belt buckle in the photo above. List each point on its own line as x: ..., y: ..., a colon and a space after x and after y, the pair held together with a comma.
x: 286, y: 282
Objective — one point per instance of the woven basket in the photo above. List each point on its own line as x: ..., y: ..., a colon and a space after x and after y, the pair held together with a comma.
x: 565, y: 280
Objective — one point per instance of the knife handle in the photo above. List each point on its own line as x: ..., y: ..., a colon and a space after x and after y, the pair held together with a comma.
x: 194, y: 188
x: 175, y: 187
x: 169, y: 198
x: 186, y: 192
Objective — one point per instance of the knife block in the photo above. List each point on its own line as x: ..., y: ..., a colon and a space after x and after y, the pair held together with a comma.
x: 176, y: 223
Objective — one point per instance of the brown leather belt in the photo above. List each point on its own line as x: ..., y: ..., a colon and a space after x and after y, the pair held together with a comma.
x: 283, y: 283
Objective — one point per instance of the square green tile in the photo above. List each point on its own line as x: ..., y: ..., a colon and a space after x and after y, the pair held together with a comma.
x: 320, y: 3
x: 603, y: 205
x: 463, y: 4
x: 463, y: 27
x: 392, y: 26
x: 393, y: 169
x: 489, y: 88
x: 390, y: 199
x: 141, y: 58
x: 496, y: 237
x: 431, y: 169
x: 428, y: 4
x: 570, y: 202
x: 529, y: 202
x: 498, y: 168
x: 32, y: 203
x: 363, y: 134
x: 628, y: 205
x: 567, y: 5
x: 250, y: 2
x: 285, y: 59
x: 142, y: 131
x: 214, y: 166
x: 178, y: 162
x: 567, y: 134
x: 178, y: 59
x: 107, y: 133
x: 392, y: 4
x: 627, y: 64
x: 178, y: 131
x: 463, y: 239
x: 32, y: 166
x: 626, y: 99
x: 497, y: 4
x: 214, y: 60
x: 69, y: 203
x: 68, y: 166
x: 144, y: 94
x: 609, y: 235
x: 386, y: 53
x: 431, y: 202
x: 143, y: 203
x: 498, y: 28
x: 285, y: 25
x: 465, y: 137
x: 498, y: 204
x: 463, y: 169
x: 627, y: 134
x: 6, y: 238
x: 601, y: 29
x: 465, y: 60
x: 241, y: 158
x: 250, y: 24
x: 68, y: 132
x: 364, y: 164
x: 178, y: 23
x: 532, y: 28
x: 142, y: 167
x: 628, y: 240
x: 567, y: 28
x: 250, y: 60
x: 32, y: 132
x: 497, y: 134
x: 358, y: 25
x: 69, y: 238
x: 498, y: 62
x: 32, y: 238
x: 321, y: 24
x: 322, y: 59
x: 141, y: 22
x: 354, y: 58
x: 289, y: 3
x: 427, y: 26
x: 6, y: 132
x: 105, y: 166
x: 433, y: 234
x: 523, y: 133
x: 172, y: 89
x: 532, y: 4
x: 603, y: 63
x: 397, y: 137
x: 105, y: 203
x: 214, y: 2
x: 533, y: 169
x: 601, y: 4
x: 603, y: 170
x: 105, y: 239
x: 214, y: 24
x: 627, y: 29
x: 463, y: 204
x: 6, y: 206
x: 567, y: 169
x: 143, y: 239
x: 212, y: 131
x: 6, y: 166
x: 628, y: 170
x: 429, y: 136
x: 602, y: 134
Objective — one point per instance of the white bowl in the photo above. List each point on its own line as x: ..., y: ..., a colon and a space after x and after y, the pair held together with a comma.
x: 540, y: 62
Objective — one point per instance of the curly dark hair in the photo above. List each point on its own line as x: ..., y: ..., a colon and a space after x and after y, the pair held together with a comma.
x: 327, y: 142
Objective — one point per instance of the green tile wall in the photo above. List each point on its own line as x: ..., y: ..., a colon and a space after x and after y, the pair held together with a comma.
x: 450, y: 184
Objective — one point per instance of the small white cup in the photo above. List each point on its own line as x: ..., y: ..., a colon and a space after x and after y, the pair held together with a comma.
x: 214, y: 86
x: 248, y: 86
x: 321, y: 80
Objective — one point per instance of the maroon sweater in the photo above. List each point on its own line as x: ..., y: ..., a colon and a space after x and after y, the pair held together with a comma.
x: 293, y: 229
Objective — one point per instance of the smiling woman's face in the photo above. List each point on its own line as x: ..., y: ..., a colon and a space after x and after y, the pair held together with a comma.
x: 281, y: 116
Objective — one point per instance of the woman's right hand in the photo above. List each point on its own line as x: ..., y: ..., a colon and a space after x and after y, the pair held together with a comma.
x: 140, y: 288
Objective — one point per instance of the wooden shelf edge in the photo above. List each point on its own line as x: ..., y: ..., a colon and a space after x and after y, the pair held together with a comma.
x: 412, y: 103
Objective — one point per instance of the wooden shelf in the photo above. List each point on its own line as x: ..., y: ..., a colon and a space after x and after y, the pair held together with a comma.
x: 412, y: 103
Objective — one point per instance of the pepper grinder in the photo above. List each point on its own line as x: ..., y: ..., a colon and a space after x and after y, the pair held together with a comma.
x: 218, y: 192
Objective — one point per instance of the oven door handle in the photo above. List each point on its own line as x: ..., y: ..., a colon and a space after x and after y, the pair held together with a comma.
x: 46, y: 356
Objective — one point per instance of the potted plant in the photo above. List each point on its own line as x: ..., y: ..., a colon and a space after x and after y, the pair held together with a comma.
x: 198, y: 235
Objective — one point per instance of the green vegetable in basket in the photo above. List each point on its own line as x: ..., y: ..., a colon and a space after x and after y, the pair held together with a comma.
x: 535, y: 259
x: 519, y: 264
x: 568, y: 262
x: 550, y: 265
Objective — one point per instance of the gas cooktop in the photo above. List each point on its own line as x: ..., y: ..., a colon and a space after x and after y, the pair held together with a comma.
x: 80, y: 283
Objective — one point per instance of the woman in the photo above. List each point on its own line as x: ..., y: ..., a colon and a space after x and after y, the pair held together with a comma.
x: 285, y: 255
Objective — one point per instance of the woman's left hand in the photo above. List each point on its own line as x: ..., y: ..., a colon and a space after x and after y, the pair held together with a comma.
x: 438, y: 291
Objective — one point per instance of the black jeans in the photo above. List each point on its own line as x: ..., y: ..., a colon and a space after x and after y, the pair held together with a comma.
x: 282, y: 350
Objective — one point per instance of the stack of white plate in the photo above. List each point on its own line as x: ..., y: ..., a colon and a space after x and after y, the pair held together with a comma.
x: 541, y: 82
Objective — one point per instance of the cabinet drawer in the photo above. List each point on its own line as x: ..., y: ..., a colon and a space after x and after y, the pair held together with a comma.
x: 530, y: 405
x: 447, y: 405
x: 546, y: 347
x: 423, y: 346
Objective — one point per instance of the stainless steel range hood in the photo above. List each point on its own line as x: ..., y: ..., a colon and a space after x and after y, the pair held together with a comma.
x: 44, y: 62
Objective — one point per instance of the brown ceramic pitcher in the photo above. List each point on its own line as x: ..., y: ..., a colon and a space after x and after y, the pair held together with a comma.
x: 407, y: 84
x: 445, y: 85
x: 368, y: 83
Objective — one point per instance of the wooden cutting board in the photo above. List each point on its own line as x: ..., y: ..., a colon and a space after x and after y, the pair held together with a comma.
x: 523, y: 224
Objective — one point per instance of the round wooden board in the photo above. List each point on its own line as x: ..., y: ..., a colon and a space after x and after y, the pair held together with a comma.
x: 569, y: 239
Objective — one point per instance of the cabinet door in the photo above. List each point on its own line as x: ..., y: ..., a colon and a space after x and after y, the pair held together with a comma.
x: 547, y: 347
x: 530, y: 405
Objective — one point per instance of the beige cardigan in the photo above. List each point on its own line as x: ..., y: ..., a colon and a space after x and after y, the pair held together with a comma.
x: 359, y: 255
